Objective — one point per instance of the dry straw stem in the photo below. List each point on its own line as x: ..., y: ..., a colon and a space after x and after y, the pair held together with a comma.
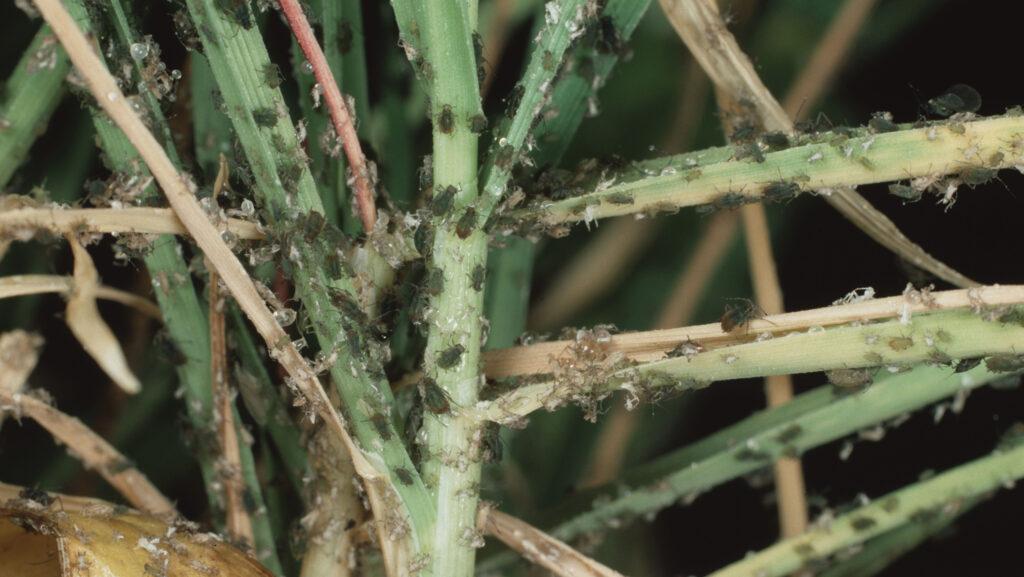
x: 540, y: 548
x: 31, y: 284
x: 19, y: 352
x: 25, y: 222
x: 108, y: 95
x: 229, y: 464
x: 83, y: 318
x: 702, y: 29
x: 93, y: 450
x: 339, y: 111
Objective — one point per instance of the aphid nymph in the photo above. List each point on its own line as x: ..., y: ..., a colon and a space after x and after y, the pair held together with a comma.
x: 739, y: 313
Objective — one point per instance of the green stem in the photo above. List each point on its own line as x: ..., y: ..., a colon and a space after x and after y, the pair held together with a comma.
x: 452, y: 464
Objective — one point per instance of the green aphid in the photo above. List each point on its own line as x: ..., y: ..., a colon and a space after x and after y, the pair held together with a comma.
x: 907, y: 194
x: 619, y: 198
x: 446, y: 120
x: 851, y: 377
x: 978, y: 175
x: 450, y: 356
x: 272, y: 75
x: 443, y: 200
x: 464, y: 227
x: 434, y: 398
x: 731, y: 200
x: 548, y: 61
x: 901, y: 343
x: 265, y: 117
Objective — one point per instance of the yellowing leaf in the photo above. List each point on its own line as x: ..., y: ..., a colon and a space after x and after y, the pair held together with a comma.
x: 103, y: 540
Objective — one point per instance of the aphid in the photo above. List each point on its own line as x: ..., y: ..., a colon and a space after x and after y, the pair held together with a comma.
x: 477, y: 123
x: 36, y: 495
x: 513, y: 99
x: 1012, y: 316
x: 381, y: 424
x: 775, y: 140
x: 901, y: 343
x: 312, y: 226
x: 344, y: 37
x: 976, y: 176
x: 348, y: 306
x: 748, y: 150
x: 265, y: 117
x: 739, y: 313
x: 272, y: 75
x: 504, y: 157
x: 862, y: 523
x: 609, y: 40
x: 907, y: 193
x: 743, y: 133
x: 238, y: 10
x: 169, y: 350
x: 478, y: 276
x: 446, y: 120
x: 404, y: 476
x: 434, y: 398
x: 790, y: 433
x: 882, y: 122
x: 687, y: 348
x: 619, y: 198
x: 731, y: 200
x: 692, y: 175
x: 449, y: 357
x: 549, y: 61
x: 464, y: 227
x: 1005, y: 363
x: 781, y: 191
x: 426, y: 70
x: 435, y: 282
x: 851, y: 377
x: 478, y: 52
x: 821, y: 123
x: 956, y: 98
x: 443, y: 200
x: 492, y: 449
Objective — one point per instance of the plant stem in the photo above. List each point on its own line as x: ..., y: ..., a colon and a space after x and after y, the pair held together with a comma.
x: 451, y: 466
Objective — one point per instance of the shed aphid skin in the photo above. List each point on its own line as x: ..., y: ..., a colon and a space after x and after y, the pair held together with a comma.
x: 738, y: 314
x: 954, y: 100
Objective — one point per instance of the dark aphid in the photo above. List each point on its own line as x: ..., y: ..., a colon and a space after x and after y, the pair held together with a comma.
x: 36, y: 495
x: 739, y: 313
x: 478, y: 52
x: 382, y: 426
x: 450, y: 356
x: 965, y: 365
x: 619, y: 198
x: 504, y: 157
x: 348, y: 306
x: 404, y: 476
x: 851, y: 377
x: 1012, y: 316
x: 513, y: 99
x: 434, y: 398
x: 775, y: 140
x: 443, y: 200
x: 882, y: 122
x: 790, y: 433
x: 609, y: 40
x: 743, y: 133
x: 977, y: 175
x: 1005, y: 363
x: 781, y: 191
x: 446, y: 120
x: 821, y: 123
x: 422, y: 239
x: 956, y: 98
x: 435, y: 282
x: 491, y: 450
x: 312, y: 226
x: 345, y: 37
x: 906, y: 193
x: 238, y: 10
x: 169, y: 350
x: 862, y: 523
x: 750, y: 150
x: 413, y: 421
x: 477, y: 123
x: 265, y: 117
x: 477, y: 276
x: 272, y: 75
x: 731, y: 200
x: 464, y: 227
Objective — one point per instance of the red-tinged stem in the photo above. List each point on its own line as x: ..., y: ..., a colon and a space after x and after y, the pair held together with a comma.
x: 335, y: 103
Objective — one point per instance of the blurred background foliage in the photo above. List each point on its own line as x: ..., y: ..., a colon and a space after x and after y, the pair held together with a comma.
x: 908, y: 51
